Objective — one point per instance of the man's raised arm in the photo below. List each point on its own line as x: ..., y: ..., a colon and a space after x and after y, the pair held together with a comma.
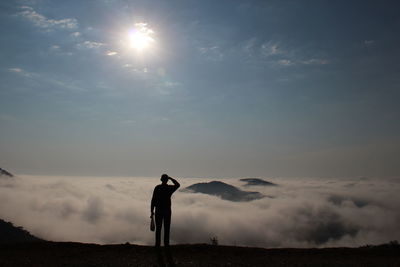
x: 175, y: 182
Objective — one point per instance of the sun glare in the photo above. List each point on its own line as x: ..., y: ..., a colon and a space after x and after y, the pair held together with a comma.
x: 140, y: 37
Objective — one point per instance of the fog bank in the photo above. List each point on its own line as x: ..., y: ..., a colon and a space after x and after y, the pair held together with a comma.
x: 302, y: 212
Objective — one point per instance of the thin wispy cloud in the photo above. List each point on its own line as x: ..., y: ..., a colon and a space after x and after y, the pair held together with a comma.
x: 250, y: 47
x: 270, y: 49
x: 111, y: 53
x: 76, y: 34
x: 18, y: 70
x: 212, y: 53
x: 277, y: 54
x: 89, y: 45
x: 369, y: 42
x: 54, y: 82
x: 21, y: 72
x: 285, y: 62
x: 43, y: 22
x: 313, y: 61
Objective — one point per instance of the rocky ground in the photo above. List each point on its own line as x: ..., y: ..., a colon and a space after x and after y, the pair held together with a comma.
x: 78, y: 254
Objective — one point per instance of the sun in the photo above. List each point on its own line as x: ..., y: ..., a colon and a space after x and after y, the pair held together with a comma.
x: 141, y: 37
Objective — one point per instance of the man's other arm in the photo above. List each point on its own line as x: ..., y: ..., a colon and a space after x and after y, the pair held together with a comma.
x: 153, y: 201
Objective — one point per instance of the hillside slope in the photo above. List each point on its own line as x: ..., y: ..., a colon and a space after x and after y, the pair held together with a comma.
x: 14, y: 234
x: 5, y: 173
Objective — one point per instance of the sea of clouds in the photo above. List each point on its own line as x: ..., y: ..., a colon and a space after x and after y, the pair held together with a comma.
x: 302, y: 212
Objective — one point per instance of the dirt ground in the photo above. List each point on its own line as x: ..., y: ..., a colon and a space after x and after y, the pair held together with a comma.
x: 77, y: 254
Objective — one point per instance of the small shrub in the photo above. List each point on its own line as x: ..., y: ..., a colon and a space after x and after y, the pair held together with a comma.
x: 214, y: 240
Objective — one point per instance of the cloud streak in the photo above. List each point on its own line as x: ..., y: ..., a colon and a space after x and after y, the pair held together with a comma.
x: 277, y: 54
x: 89, y: 45
x: 43, y: 22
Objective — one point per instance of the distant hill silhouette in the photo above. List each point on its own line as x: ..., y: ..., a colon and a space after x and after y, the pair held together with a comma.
x: 3, y: 172
x: 256, y: 181
x: 224, y: 191
x: 10, y: 234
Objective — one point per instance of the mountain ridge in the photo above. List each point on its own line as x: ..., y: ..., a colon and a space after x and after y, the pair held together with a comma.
x: 224, y: 191
x: 257, y: 181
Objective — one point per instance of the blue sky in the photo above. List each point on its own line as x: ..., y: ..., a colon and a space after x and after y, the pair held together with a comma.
x: 225, y: 88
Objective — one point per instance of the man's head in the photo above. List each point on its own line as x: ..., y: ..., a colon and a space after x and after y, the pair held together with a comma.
x: 164, y: 178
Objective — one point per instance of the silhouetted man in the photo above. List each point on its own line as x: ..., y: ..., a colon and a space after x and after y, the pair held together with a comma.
x: 162, y: 202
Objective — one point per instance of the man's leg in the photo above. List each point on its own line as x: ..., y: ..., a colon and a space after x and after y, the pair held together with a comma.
x: 159, y: 219
x: 167, y: 224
